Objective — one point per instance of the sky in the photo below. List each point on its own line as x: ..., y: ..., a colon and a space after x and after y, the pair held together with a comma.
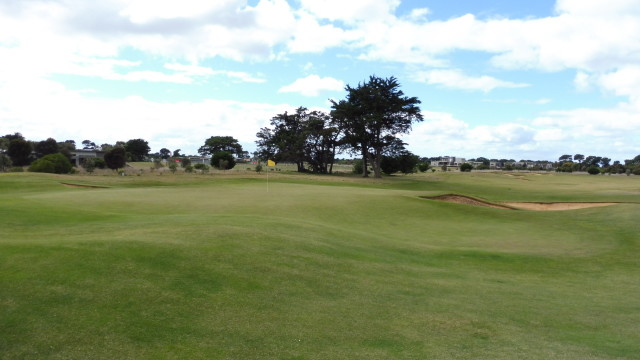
x: 524, y: 79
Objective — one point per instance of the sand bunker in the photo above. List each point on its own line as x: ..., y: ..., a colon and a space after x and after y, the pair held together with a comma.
x: 536, y: 206
x: 461, y: 199
x: 557, y: 206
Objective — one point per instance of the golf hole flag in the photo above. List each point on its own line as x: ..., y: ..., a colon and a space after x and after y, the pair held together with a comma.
x: 271, y: 163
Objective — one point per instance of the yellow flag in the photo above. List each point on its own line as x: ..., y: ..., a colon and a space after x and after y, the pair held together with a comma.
x: 271, y: 163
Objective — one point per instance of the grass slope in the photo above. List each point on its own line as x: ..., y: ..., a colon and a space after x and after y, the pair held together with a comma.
x: 217, y: 267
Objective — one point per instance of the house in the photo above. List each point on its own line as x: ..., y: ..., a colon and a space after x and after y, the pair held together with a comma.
x: 79, y: 154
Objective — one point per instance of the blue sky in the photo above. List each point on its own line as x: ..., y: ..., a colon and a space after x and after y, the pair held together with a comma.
x: 497, y: 78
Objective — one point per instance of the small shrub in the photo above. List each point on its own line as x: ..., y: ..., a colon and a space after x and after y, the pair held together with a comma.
x: 466, y: 167
x: 52, y: 163
x: 173, y: 167
x: 259, y: 168
x: 358, y: 166
x: 5, y: 162
x: 188, y: 169
x: 202, y: 167
x: 593, y: 170
x: 100, y: 163
x: 89, y: 165
x: 16, y: 169
x: 636, y: 170
x: 423, y: 166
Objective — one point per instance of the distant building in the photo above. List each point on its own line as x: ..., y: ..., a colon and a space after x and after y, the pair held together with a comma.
x: 79, y: 154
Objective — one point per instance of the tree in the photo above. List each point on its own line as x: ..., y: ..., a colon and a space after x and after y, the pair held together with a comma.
x: 466, y: 167
x: 89, y: 165
x: 215, y: 144
x: 5, y: 162
x: 115, y: 158
x: 52, y: 163
x: 286, y: 141
x: 19, y: 150
x: 89, y: 145
x: 565, y: 158
x: 223, y: 160
x: 138, y: 149
x: 578, y: 158
x: 46, y: 147
x: 372, y: 115
x: 321, y: 142
x: 165, y: 153
x: 176, y: 153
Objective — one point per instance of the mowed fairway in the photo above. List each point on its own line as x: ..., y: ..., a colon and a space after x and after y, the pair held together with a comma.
x: 230, y: 267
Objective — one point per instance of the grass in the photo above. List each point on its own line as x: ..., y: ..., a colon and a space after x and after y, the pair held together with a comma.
x: 317, y: 267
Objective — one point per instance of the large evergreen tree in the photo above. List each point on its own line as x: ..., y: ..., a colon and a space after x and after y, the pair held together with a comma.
x: 372, y: 115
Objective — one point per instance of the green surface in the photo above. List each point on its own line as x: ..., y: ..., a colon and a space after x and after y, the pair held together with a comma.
x: 232, y: 266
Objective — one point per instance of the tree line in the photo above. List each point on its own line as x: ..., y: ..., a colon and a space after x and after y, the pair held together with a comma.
x: 366, y: 123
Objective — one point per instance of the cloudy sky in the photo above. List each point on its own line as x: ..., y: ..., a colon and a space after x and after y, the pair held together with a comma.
x: 527, y: 79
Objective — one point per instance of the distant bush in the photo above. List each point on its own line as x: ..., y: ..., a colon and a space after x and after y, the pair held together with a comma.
x: 188, y: 169
x: 593, y: 170
x: 16, y: 169
x: 173, y: 167
x: 466, y: 167
x: 5, y: 162
x: 100, y: 163
x: 223, y: 160
x: 184, y: 162
x: 89, y: 165
x: 202, y: 167
x: 423, y: 166
x: 358, y: 166
x: 259, y: 168
x: 52, y: 163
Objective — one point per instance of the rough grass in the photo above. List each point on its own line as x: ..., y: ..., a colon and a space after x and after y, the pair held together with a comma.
x: 217, y: 267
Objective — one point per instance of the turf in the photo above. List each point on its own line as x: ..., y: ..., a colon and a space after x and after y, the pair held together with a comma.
x: 228, y: 266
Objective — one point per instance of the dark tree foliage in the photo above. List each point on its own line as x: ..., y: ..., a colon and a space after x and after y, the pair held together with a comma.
x: 593, y: 170
x: 223, y: 160
x: 404, y: 162
x: 52, y: 163
x: 165, y: 153
x: 372, y: 115
x: 215, y: 144
x: 89, y: 145
x: 14, y: 136
x: 19, y: 150
x: 466, y: 167
x: 302, y: 137
x: 5, y: 162
x: 138, y: 149
x: 46, y: 147
x: 115, y: 158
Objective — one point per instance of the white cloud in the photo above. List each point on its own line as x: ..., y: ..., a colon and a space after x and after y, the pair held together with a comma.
x: 110, y: 120
x: 456, y: 79
x: 351, y: 11
x: 312, y: 85
x: 602, y: 132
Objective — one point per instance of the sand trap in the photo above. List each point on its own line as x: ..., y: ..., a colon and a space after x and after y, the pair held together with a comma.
x: 557, y: 206
x: 461, y: 199
x: 536, y: 206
